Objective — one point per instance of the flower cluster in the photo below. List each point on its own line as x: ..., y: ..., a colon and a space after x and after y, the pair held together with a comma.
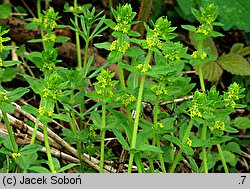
x: 197, y: 105
x: 144, y: 68
x: 49, y: 59
x: 124, y: 17
x: 159, y: 91
x: 218, y: 125
x: 199, y: 56
x: 49, y: 37
x: 15, y: 155
x: 3, y: 39
x: 120, y: 47
x: 155, y: 37
x: 105, y: 84
x: 126, y: 99
x: 3, y: 96
x: 206, y: 16
x: 48, y: 20
x: 173, y: 51
x: 189, y: 142
x: 158, y: 127
x: 43, y: 112
x: 234, y: 93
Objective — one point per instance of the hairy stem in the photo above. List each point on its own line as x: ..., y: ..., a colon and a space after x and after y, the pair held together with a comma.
x: 137, y: 116
x: 222, y: 158
x: 46, y: 142
x: 184, y: 140
x: 103, y: 136
x: 10, y: 132
x: 33, y: 137
x: 78, y: 47
x: 204, y: 152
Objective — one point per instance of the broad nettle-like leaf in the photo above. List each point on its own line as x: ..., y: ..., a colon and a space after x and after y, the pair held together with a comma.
x: 212, y: 71
x: 238, y: 48
x: 232, y: 13
x: 235, y: 64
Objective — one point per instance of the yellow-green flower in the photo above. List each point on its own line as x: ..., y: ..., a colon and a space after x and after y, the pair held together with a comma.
x: 4, y: 96
x: 50, y: 112
x: 189, y: 142
x: 41, y: 111
x: 218, y: 125
x: 15, y: 155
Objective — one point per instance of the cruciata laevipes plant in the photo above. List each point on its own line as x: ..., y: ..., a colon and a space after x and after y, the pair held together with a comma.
x: 207, y: 109
x: 156, y: 142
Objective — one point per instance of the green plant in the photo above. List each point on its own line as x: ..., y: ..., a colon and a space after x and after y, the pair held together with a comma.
x: 149, y: 107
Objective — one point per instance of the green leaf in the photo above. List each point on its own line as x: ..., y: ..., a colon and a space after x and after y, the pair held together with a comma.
x: 30, y: 109
x: 234, y: 64
x: 23, y: 162
x: 217, y: 140
x: 36, y: 85
x: 104, y: 45
x: 120, y: 138
x: 134, y: 51
x: 32, y: 25
x: 96, y: 118
x: 9, y: 74
x: 242, y: 122
x: 10, y: 63
x: 7, y: 107
x: 17, y: 93
x: 62, y: 117
x: 35, y: 41
x: 233, y: 147
x: 66, y: 167
x: 148, y: 147
x: 60, y: 39
x: 172, y: 139
x: 230, y: 158
x: 189, y: 27
x: 5, y: 10
x: 5, y: 151
x: 231, y: 129
x: 193, y: 164
x: 30, y: 149
x: 38, y: 169
x: 236, y: 48
x: 212, y: 71
x: 114, y: 56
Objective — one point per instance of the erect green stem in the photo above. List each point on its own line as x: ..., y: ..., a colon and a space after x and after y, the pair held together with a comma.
x: 199, y: 48
x: 184, y: 140
x: 46, y: 142
x: 204, y: 152
x: 163, y: 168
x: 201, y: 79
x: 10, y: 132
x: 78, y: 47
x: 222, y: 158
x: 74, y: 130
x: 121, y: 75
x: 85, y: 57
x: 157, y: 139
x: 137, y: 116
x: 103, y: 136
x: 33, y: 138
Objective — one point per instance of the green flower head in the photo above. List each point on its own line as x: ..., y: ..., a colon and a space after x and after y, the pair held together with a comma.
x: 207, y: 14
